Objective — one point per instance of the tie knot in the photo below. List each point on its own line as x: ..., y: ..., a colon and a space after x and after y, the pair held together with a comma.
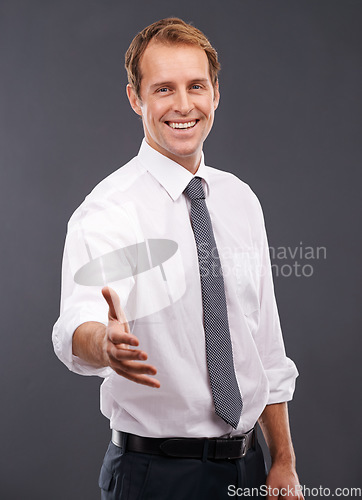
x: 194, y: 189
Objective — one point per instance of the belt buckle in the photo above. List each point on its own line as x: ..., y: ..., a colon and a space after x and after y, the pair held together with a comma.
x: 244, y: 447
x: 241, y: 447
x: 234, y: 448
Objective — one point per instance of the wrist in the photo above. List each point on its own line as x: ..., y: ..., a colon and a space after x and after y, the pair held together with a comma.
x: 101, y: 342
x: 88, y: 343
x: 285, y: 458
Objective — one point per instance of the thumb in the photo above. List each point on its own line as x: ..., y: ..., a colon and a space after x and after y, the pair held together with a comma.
x: 115, y: 311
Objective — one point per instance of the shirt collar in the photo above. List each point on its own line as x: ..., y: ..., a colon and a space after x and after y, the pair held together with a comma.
x: 172, y: 176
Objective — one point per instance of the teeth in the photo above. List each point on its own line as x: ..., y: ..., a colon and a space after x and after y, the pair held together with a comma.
x: 182, y: 125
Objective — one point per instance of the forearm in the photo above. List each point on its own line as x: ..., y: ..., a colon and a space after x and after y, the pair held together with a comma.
x: 274, y: 423
x: 88, y: 343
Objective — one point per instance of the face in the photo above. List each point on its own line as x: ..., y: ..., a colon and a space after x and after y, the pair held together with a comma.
x: 177, y: 102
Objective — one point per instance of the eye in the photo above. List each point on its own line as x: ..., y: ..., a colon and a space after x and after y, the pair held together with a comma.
x: 162, y: 90
x: 196, y: 86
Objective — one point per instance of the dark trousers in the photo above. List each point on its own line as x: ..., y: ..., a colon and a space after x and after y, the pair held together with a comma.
x: 138, y: 476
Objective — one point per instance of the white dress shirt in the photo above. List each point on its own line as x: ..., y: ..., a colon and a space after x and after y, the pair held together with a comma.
x: 136, y: 208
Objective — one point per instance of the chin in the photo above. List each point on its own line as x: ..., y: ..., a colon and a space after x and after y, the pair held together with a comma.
x: 183, y: 154
x: 184, y: 150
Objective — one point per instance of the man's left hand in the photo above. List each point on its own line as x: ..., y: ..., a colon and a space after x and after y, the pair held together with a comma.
x: 283, y: 483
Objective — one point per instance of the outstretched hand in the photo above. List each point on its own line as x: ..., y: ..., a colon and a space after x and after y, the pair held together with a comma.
x: 118, y: 343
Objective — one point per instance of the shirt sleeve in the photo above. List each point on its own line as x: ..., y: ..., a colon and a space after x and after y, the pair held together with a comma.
x: 280, y: 370
x: 93, y: 232
x: 78, y: 305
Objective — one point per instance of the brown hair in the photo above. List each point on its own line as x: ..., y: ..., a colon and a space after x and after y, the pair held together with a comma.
x: 170, y: 30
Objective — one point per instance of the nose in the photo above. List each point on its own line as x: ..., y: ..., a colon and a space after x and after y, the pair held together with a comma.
x: 183, y: 102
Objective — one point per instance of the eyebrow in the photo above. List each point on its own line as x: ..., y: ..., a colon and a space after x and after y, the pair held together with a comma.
x: 194, y: 80
x: 160, y: 84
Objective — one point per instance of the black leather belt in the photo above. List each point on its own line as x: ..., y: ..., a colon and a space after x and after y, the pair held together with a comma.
x: 211, y: 448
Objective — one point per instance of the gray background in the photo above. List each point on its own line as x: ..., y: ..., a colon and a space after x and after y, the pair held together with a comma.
x: 289, y: 124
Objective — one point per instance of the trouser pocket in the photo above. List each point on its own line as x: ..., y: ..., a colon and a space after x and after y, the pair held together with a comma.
x: 123, y: 476
x: 112, y: 477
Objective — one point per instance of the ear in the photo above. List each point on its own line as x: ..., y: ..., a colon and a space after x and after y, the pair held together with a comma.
x: 134, y: 100
x: 216, y: 95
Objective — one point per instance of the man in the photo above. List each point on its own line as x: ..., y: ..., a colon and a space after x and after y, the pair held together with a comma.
x: 191, y: 352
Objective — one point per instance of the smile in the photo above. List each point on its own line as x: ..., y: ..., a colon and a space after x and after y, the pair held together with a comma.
x: 184, y: 126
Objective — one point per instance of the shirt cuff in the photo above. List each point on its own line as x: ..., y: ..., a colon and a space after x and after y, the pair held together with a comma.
x: 62, y: 338
x: 282, y: 382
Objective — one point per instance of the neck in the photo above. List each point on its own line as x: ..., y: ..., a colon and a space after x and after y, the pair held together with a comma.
x: 190, y: 163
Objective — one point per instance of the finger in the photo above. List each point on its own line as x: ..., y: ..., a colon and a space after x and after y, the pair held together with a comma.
x: 140, y: 379
x: 117, y: 335
x: 132, y: 367
x: 120, y: 354
x: 115, y: 311
x: 295, y: 493
x: 113, y: 302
